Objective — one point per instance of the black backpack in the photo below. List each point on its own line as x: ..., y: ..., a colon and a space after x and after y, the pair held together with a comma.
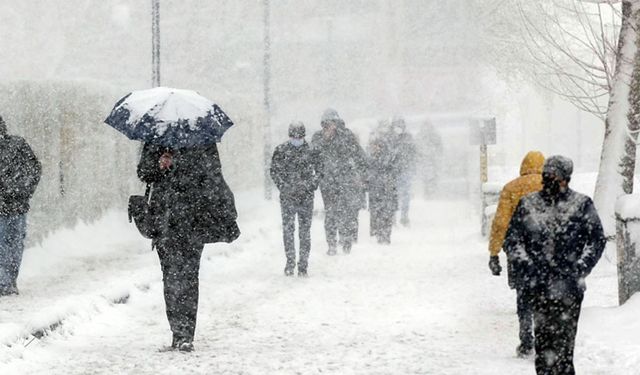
x: 140, y: 213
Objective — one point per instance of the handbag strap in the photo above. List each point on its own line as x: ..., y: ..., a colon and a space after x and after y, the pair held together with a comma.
x: 147, y: 193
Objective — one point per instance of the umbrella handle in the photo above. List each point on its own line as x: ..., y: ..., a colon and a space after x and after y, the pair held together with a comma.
x: 147, y: 192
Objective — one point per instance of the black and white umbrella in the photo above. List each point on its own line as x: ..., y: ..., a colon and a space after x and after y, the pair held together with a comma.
x: 169, y: 117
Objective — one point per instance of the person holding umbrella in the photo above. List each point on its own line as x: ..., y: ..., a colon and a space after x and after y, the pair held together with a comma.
x: 190, y: 202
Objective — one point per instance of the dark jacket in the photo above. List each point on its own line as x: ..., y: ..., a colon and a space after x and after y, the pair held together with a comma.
x: 554, y: 242
x: 295, y: 171
x: 406, y: 153
x: 343, y: 167
x: 20, y: 173
x: 191, y: 201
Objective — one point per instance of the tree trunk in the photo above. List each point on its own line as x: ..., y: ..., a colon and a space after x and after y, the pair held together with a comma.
x: 617, y: 162
x: 628, y: 163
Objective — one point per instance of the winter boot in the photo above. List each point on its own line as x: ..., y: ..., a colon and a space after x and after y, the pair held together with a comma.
x: 523, y: 351
x: 404, y: 221
x: 346, y: 248
x: 290, y: 266
x: 332, y: 250
x: 8, y: 291
x: 288, y: 271
x: 185, y: 346
x: 302, y: 273
x: 182, y: 344
x: 383, y: 239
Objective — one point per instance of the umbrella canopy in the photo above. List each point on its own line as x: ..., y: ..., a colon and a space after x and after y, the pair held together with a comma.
x: 169, y: 117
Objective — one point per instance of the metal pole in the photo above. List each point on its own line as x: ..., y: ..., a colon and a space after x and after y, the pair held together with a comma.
x: 155, y: 42
x: 484, y: 165
x: 267, y: 99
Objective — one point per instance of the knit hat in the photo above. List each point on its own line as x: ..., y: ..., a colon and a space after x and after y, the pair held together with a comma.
x: 297, y: 130
x: 559, y: 166
x: 398, y: 122
x: 330, y: 115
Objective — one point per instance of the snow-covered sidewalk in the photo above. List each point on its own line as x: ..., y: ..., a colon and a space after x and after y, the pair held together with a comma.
x: 427, y: 304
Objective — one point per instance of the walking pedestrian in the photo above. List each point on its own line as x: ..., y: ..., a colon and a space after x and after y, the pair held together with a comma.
x: 529, y: 181
x: 294, y: 170
x: 20, y: 173
x: 343, y: 167
x: 430, y: 149
x: 191, y: 205
x: 405, y: 148
x: 554, y: 240
x: 382, y: 183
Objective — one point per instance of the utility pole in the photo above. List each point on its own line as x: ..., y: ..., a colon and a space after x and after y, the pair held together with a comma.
x: 155, y: 42
x: 267, y: 99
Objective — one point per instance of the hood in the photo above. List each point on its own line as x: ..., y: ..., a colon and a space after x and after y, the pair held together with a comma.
x: 560, y: 166
x: 532, y: 163
x: 332, y: 115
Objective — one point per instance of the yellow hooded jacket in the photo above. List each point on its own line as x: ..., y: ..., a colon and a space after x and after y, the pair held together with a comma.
x: 530, y: 181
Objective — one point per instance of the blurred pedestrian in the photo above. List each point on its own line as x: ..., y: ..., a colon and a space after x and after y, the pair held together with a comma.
x: 382, y: 182
x: 529, y: 181
x: 342, y: 169
x: 294, y: 170
x: 20, y: 173
x: 191, y: 205
x: 554, y: 240
x: 430, y: 149
x: 406, y: 160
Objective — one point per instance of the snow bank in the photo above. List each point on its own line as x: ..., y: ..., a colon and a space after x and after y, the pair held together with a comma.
x: 628, y: 206
x: 71, y: 273
x: 608, y: 339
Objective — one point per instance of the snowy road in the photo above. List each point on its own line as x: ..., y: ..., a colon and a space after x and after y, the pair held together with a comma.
x: 424, y: 305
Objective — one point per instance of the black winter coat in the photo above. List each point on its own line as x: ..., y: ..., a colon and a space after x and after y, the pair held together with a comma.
x: 553, y: 243
x: 20, y: 173
x: 343, y: 168
x: 191, y: 202
x: 295, y: 171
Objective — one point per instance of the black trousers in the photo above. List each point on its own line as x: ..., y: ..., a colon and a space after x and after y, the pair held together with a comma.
x: 555, y: 327
x: 382, y: 212
x: 341, y: 219
x: 180, y: 264
x: 525, y: 317
x: 303, y: 209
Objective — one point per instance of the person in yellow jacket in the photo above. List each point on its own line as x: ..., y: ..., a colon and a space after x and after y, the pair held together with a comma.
x: 530, y: 181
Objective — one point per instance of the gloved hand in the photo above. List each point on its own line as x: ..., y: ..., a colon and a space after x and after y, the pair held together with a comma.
x: 494, y: 265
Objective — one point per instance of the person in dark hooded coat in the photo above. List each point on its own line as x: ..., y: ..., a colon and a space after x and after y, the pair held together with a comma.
x: 343, y: 167
x: 20, y: 173
x: 382, y: 182
x: 191, y: 205
x: 554, y: 240
x: 294, y: 170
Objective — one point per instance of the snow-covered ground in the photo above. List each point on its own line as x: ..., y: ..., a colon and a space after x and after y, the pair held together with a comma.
x: 427, y: 304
